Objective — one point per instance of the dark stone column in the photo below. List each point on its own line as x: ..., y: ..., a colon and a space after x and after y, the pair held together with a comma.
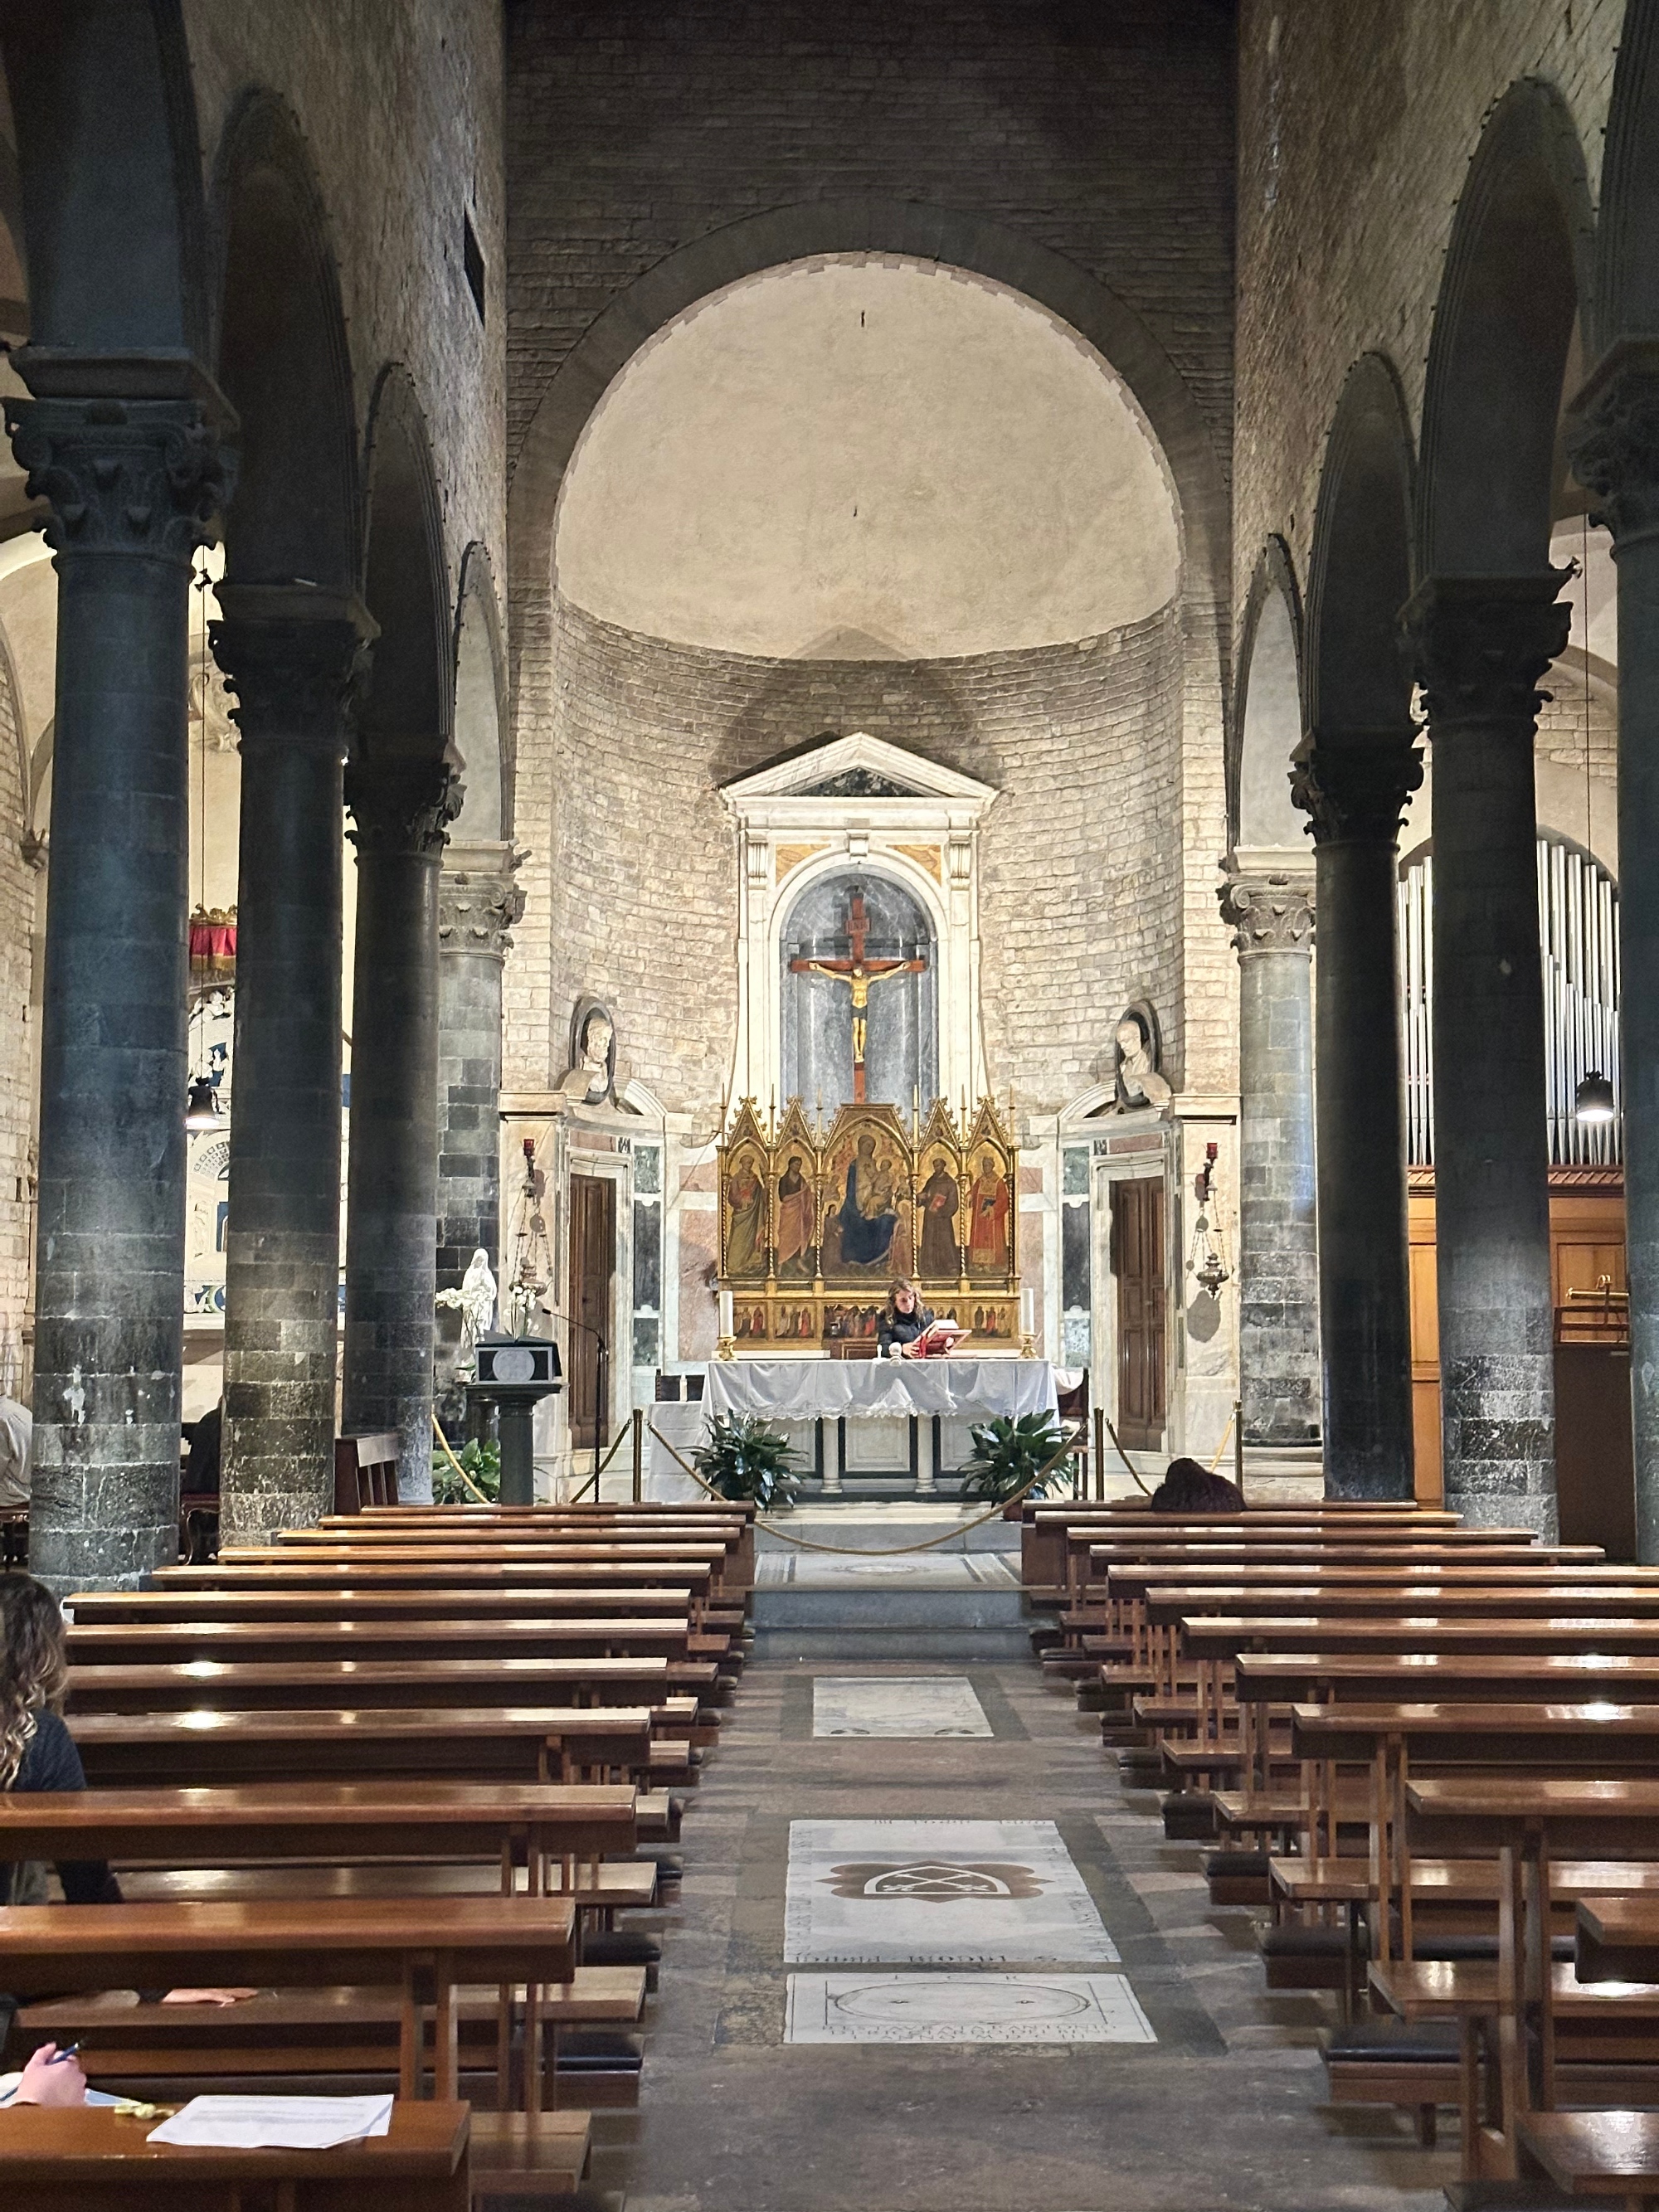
x: 401, y: 814
x: 132, y: 485
x: 291, y: 656
x: 1481, y: 644
x: 1354, y: 787
x: 1614, y: 437
x: 478, y: 904
x: 1272, y: 918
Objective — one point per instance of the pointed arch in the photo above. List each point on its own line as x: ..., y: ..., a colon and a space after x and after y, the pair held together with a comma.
x: 1268, y: 717
x: 1360, y: 572
x: 408, y: 714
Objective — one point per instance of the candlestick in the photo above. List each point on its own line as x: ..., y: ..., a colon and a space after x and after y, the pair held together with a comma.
x: 1027, y: 1323
x: 726, y: 1347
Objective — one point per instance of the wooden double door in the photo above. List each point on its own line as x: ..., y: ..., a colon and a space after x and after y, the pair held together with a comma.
x: 592, y: 1278
x: 1139, y: 1249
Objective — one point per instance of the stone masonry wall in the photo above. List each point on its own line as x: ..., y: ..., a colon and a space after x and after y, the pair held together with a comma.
x: 1356, y: 129
x: 1103, y: 134
x: 1080, y: 905
x: 17, y: 1080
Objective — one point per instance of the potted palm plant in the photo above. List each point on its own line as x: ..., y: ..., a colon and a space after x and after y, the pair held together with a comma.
x: 744, y: 1458
x: 1008, y: 1454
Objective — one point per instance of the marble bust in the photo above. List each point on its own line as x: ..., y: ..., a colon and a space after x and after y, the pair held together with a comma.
x: 1139, y: 1081
x: 593, y: 1078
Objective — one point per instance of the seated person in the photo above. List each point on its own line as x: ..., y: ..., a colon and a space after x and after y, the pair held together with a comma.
x: 201, y: 1476
x: 16, y: 1441
x: 903, y: 1320
x: 37, y: 1752
x: 1187, y: 1487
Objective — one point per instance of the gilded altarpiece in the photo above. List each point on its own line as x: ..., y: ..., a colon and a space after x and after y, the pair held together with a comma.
x: 816, y: 1221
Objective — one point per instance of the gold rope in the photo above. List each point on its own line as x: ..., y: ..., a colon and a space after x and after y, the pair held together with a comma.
x: 1124, y: 1455
x: 882, y: 1551
x: 438, y: 1432
x: 1221, y: 1446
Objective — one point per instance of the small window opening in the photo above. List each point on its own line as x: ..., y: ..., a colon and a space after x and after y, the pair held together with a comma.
x: 472, y: 261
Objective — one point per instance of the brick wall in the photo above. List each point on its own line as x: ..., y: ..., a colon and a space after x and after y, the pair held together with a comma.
x: 1081, y: 892
x: 1356, y: 130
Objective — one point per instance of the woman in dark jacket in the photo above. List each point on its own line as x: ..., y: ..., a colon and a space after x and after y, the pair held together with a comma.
x: 905, y: 1319
x: 37, y: 1752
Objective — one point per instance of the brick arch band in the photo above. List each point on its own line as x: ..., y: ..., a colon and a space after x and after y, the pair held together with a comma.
x: 911, y: 227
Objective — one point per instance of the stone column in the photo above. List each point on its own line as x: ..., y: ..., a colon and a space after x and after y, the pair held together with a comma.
x: 1613, y: 438
x: 1271, y: 914
x: 401, y: 813
x: 1354, y: 787
x: 292, y: 656
x: 478, y: 904
x: 132, y: 484
x: 1481, y: 644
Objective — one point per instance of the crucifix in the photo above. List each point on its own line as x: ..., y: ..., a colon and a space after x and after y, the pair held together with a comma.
x: 861, y: 976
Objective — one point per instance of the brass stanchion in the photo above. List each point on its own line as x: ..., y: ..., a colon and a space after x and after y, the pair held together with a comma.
x: 639, y: 1454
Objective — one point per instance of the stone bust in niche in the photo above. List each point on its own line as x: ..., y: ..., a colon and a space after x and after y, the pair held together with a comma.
x: 593, y: 1078
x: 1139, y: 1081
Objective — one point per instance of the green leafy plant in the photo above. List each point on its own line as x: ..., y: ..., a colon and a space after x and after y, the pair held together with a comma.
x: 1007, y: 1455
x: 744, y: 1458
x: 483, y: 1462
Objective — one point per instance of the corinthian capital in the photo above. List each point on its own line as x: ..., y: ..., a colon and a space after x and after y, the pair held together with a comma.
x: 1480, y: 643
x: 296, y: 660
x: 1268, y: 910
x: 478, y: 904
x: 122, y: 476
x: 400, y: 806
x: 1613, y: 438
x: 1353, y: 786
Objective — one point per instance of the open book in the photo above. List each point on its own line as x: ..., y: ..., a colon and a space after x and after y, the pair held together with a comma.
x: 936, y: 1340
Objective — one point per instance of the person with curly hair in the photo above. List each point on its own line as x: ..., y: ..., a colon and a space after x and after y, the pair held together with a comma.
x: 37, y: 1751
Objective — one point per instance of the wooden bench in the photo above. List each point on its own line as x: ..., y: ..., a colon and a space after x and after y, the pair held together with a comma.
x: 365, y: 1471
x: 91, y: 2158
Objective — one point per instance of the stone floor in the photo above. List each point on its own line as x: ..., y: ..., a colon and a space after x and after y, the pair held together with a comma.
x: 1223, y: 2109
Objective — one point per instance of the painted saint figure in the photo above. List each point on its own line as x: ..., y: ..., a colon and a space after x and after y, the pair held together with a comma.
x: 988, y: 1234
x: 745, y: 1234
x: 795, y: 1212
x: 940, y: 1195
x: 867, y: 1214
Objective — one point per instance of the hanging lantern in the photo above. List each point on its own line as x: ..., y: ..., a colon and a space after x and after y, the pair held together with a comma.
x: 1592, y: 1100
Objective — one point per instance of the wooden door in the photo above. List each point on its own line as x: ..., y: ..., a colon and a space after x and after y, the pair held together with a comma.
x: 592, y: 1273
x: 1138, y: 1267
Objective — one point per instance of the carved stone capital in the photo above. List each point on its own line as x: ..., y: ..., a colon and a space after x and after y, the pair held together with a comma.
x: 1612, y: 439
x: 296, y: 662
x: 1479, y: 645
x: 401, y: 807
x: 122, y: 476
x: 1353, y: 787
x: 1270, y: 911
x: 478, y: 907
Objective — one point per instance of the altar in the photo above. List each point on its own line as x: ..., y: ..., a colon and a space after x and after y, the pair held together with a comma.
x: 867, y: 1417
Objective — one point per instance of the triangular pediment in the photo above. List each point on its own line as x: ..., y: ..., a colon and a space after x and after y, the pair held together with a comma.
x: 857, y: 766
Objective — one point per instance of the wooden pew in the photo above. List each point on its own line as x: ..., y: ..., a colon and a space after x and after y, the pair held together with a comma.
x: 94, y: 2160
x: 478, y: 1640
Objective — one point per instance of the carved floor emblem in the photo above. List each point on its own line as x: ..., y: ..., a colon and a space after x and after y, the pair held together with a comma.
x: 935, y: 1881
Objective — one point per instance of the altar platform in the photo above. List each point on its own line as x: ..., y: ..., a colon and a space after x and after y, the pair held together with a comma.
x: 869, y: 1597
x: 874, y: 1428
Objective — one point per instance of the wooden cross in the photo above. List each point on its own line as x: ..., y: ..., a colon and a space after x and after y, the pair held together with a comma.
x: 859, y: 974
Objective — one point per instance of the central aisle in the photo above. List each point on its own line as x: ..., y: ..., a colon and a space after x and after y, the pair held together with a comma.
x: 1221, y: 2111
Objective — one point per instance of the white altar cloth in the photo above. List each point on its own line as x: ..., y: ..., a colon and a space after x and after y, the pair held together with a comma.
x: 874, y: 1389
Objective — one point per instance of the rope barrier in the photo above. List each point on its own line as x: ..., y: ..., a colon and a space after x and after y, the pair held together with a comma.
x: 881, y: 1551
x: 1124, y: 1455
x: 437, y: 1432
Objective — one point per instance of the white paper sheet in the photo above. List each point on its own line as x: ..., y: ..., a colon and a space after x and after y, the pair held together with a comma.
x: 274, y: 2122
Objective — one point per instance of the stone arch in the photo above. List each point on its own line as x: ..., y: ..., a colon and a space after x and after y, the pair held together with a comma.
x: 481, y: 723
x: 842, y: 226
x: 1517, y: 269
x: 408, y: 713
x: 282, y: 360
x: 1356, y: 681
x: 1267, y: 720
x: 110, y: 167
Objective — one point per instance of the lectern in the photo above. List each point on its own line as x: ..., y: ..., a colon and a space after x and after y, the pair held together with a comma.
x: 514, y: 1374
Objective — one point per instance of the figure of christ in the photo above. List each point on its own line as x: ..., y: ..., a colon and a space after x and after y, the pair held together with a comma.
x: 861, y: 976
x: 796, y: 1206
x: 988, y: 1234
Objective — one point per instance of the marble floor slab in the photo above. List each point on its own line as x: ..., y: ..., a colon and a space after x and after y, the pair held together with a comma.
x: 921, y: 1570
x: 919, y: 1893
x: 896, y: 1706
x: 939, y: 2009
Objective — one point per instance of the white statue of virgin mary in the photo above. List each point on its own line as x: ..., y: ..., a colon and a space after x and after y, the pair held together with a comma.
x: 476, y: 1301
